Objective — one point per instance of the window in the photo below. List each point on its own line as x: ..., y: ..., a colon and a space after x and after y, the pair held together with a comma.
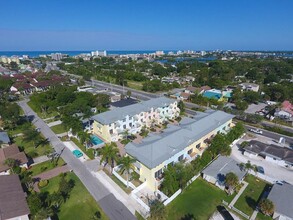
x: 190, y: 151
x: 224, y: 128
x: 111, y: 131
x: 149, y: 117
x: 124, y: 126
x: 229, y: 125
x: 158, y: 173
x: 124, y: 120
x: 198, y: 146
x: 130, y: 124
x: 180, y: 158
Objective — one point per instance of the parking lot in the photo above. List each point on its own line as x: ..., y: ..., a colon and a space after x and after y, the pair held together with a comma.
x: 272, y: 170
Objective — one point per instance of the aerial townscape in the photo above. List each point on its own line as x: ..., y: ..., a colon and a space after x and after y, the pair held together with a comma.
x: 146, y: 110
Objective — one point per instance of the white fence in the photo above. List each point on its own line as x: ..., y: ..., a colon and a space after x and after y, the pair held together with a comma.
x: 122, y: 179
x: 133, y: 195
x: 170, y: 199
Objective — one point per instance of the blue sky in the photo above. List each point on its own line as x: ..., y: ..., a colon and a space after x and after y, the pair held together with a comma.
x: 146, y: 24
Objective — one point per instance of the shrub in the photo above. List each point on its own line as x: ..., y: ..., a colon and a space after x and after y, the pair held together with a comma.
x: 135, y: 176
x: 43, y: 183
x: 32, y: 154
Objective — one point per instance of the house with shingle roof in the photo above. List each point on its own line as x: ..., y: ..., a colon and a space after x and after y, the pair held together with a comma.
x: 13, y: 204
x: 11, y: 152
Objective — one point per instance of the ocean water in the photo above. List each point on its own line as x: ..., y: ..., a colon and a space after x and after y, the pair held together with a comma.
x: 72, y: 53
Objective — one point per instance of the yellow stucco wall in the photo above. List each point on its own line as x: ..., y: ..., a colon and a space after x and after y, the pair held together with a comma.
x: 148, y: 175
x: 102, y: 131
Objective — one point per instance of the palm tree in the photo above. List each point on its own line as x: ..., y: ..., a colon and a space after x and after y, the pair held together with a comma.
x: 84, y: 138
x: 109, y: 154
x: 126, y: 165
x: 266, y: 206
x: 231, y: 181
x: 31, y: 135
x: 11, y: 163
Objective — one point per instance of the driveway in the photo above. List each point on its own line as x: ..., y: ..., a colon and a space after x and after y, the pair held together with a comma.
x: 113, y: 208
x: 272, y: 170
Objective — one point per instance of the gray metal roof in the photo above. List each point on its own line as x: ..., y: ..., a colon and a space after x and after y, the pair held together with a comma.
x: 4, y: 137
x: 282, y: 197
x: 221, y: 166
x: 131, y: 110
x: 156, y: 148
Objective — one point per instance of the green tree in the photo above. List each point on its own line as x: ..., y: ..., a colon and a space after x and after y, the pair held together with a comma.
x: 109, y: 155
x: 34, y: 203
x: 128, y: 93
x: 157, y: 210
x: 266, y: 206
x: 126, y: 166
x: 32, y: 135
x: 231, y: 181
x: 181, y: 106
x: 13, y: 164
x: 241, y: 105
x: 65, y: 187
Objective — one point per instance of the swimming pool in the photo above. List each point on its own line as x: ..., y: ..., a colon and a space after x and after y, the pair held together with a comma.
x: 96, y: 140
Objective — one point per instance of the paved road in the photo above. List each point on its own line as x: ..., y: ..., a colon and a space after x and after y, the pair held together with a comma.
x: 272, y: 135
x: 271, y: 170
x: 113, y: 208
x: 135, y: 93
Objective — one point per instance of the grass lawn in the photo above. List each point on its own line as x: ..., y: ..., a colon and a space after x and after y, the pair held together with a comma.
x: 45, y: 166
x: 134, y: 84
x: 89, y: 152
x: 261, y: 216
x: 41, y: 114
x: 198, y: 201
x: 29, y: 148
x: 118, y: 182
x: 58, y: 129
x: 80, y: 205
x: 250, y: 197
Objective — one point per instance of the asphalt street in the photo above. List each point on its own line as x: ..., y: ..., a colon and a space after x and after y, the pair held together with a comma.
x: 113, y: 208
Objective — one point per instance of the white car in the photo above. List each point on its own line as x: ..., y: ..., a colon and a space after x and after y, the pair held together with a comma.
x: 255, y: 130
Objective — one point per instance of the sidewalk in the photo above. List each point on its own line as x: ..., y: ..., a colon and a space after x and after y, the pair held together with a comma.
x: 51, y: 124
x: 126, y: 199
x: 238, y: 194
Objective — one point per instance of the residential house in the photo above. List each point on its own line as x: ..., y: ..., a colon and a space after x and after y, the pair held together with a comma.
x: 4, y: 139
x: 249, y: 87
x: 218, y: 94
x: 286, y: 110
x: 11, y: 152
x: 183, y: 142
x: 112, y: 124
x: 13, y: 204
x: 275, y: 154
x: 282, y: 198
x: 216, y: 172
x: 196, y: 90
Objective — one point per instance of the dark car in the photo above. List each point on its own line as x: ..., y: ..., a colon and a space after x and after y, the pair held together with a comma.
x: 224, y: 212
x: 260, y: 170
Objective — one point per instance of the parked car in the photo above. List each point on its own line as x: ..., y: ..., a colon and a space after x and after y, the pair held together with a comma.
x: 77, y: 153
x: 255, y: 130
x: 260, y: 169
x: 224, y: 212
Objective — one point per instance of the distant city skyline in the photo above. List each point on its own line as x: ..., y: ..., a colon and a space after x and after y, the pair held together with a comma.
x: 146, y: 25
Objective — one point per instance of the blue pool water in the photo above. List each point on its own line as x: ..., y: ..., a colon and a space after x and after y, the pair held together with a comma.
x: 96, y: 140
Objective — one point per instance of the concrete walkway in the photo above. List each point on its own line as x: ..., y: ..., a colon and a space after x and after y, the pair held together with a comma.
x: 40, y: 159
x: 254, y: 214
x: 51, y: 124
x: 238, y: 194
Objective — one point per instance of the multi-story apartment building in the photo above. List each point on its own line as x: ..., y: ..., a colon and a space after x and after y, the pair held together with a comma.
x: 183, y: 142
x: 111, y: 125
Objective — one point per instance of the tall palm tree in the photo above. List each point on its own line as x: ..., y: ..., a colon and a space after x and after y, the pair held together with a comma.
x: 84, y: 138
x: 109, y: 154
x: 126, y: 166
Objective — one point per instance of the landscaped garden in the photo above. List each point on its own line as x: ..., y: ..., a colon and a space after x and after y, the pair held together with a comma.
x: 45, y: 166
x: 80, y: 204
x: 198, y: 201
x: 249, y: 199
